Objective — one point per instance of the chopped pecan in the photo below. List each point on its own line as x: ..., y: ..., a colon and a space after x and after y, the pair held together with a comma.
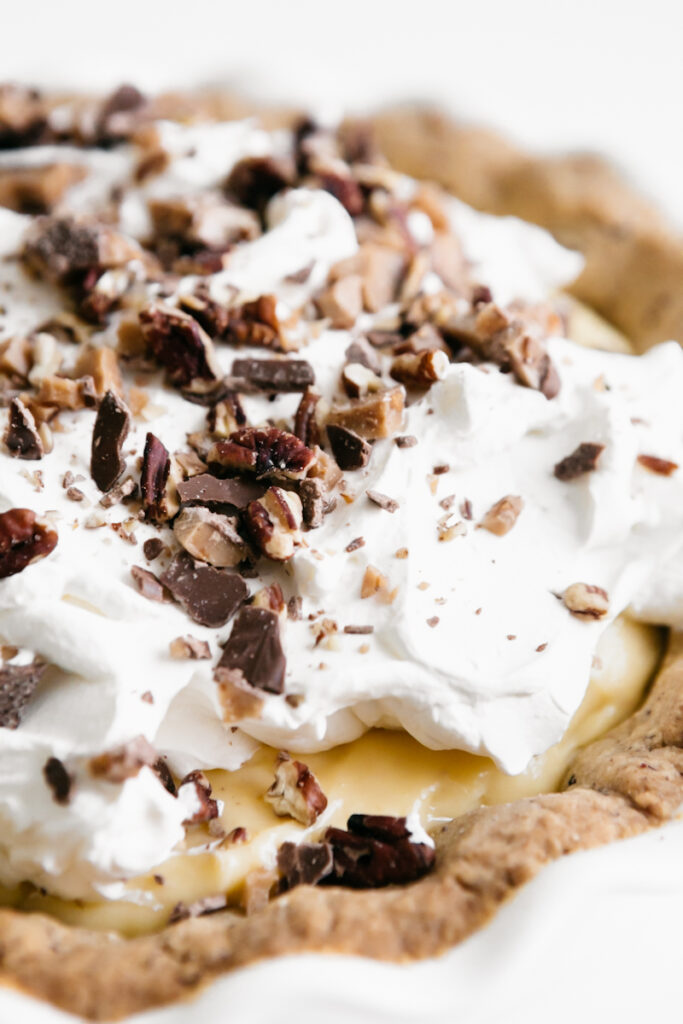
x: 305, y: 424
x: 180, y: 344
x: 379, y: 415
x: 22, y: 437
x: 16, y: 356
x: 277, y: 375
x: 273, y: 523
x: 262, y: 452
x: 24, y: 539
x: 296, y: 793
x: 376, y: 851
x: 254, y: 650
x: 37, y: 189
x: 583, y: 459
x: 656, y: 465
x: 210, y: 537
x: 253, y: 323
x: 123, y: 762
x: 126, y: 489
x: 503, y: 515
x: 315, y: 503
x: 254, y: 180
x: 197, y: 788
x: 109, y: 433
x: 210, y: 596
x: 272, y: 598
x: 342, y: 301
x: 204, y: 220
x: 586, y: 601
x: 158, y: 484
x: 383, y: 501
x: 226, y: 416
x: 358, y: 381
x: 304, y: 863
x: 375, y: 583
x: 188, y: 648
x: 420, y: 369
x: 17, y: 686
x: 58, y: 779
x: 118, y: 115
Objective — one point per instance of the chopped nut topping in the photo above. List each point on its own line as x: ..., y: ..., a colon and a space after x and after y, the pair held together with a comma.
x: 359, y: 381
x: 17, y: 686
x: 179, y: 343
x: 583, y: 459
x: 157, y: 483
x: 198, y: 787
x: 262, y: 452
x: 586, y: 601
x: 148, y: 584
x: 274, y: 523
x: 24, y: 539
x: 359, y: 630
x: 22, y: 437
x: 388, y: 504
x: 210, y: 537
x: 502, y: 516
x: 656, y: 465
x: 126, y: 489
x: 124, y: 762
x: 188, y: 648
x: 376, y: 416
x: 305, y: 425
x: 238, y: 700
x: 61, y: 248
x: 420, y: 369
x: 296, y: 793
x: 254, y: 180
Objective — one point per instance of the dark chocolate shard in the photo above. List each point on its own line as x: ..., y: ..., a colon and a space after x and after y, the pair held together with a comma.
x: 254, y: 648
x: 148, y: 584
x: 156, y: 464
x: 210, y: 596
x: 17, y: 686
x: 163, y: 772
x: 379, y: 826
x: 350, y: 450
x: 24, y: 539
x: 583, y: 459
x: 59, y: 780
x: 225, y: 496
x: 110, y: 431
x: 278, y: 375
x: 21, y: 437
x: 304, y: 863
x: 376, y: 851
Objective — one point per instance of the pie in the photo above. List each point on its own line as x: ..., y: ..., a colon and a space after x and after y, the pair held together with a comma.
x: 333, y: 576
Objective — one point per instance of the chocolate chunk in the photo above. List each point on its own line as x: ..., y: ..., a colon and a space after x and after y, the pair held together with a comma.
x: 345, y: 190
x: 384, y: 502
x: 179, y: 344
x: 304, y: 863
x: 280, y: 375
x: 24, y: 539
x: 405, y: 441
x: 115, y: 120
x: 123, y: 762
x: 262, y: 452
x: 254, y: 180
x: 152, y: 548
x: 656, y: 465
x: 207, y: 905
x: 376, y: 851
x: 360, y: 351
x: 17, y: 686
x: 109, y: 433
x: 254, y: 648
x: 22, y: 437
x: 148, y: 584
x: 226, y: 496
x: 58, y: 779
x: 582, y: 460
x: 210, y: 596
x: 305, y: 425
x: 156, y: 465
x: 350, y: 450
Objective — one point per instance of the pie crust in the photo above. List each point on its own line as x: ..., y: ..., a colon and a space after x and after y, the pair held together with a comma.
x: 619, y: 786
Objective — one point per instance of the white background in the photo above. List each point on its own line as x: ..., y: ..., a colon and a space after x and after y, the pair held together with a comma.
x: 606, y: 74
x: 554, y: 74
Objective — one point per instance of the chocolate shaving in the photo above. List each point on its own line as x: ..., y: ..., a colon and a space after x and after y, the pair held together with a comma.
x: 304, y: 863
x: 58, y: 780
x: 384, y: 502
x: 17, y: 686
x: 109, y: 433
x: 656, y: 465
x: 350, y: 450
x: 21, y: 437
x: 278, y: 375
x: 583, y: 459
x: 210, y: 596
x: 226, y: 496
x: 24, y: 539
x: 254, y: 648
x: 156, y: 465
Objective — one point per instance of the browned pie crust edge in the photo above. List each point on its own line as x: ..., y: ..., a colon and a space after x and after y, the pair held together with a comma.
x: 622, y: 785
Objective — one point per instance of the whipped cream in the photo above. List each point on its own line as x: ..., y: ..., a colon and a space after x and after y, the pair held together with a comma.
x: 502, y: 670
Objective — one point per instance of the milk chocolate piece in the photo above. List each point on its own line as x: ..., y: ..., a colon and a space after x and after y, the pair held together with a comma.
x: 156, y: 464
x: 210, y: 596
x: 148, y: 584
x: 583, y: 459
x: 21, y: 437
x: 17, y: 686
x: 226, y: 496
x: 280, y: 375
x: 350, y: 450
x: 109, y: 433
x: 255, y: 650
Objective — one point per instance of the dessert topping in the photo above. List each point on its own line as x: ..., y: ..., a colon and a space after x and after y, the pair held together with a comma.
x: 17, y: 686
x: 262, y: 452
x: 22, y: 437
x: 24, y: 539
x: 583, y: 459
x: 586, y: 600
x: 503, y: 515
x: 295, y: 792
x: 210, y: 596
x: 109, y: 433
x: 254, y: 650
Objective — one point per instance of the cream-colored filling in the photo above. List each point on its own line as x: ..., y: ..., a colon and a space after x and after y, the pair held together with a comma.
x: 383, y: 772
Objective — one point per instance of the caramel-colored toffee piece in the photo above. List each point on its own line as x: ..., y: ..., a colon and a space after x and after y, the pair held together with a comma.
x: 376, y: 416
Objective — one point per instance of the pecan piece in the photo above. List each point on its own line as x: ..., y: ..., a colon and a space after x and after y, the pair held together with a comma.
x: 37, y: 189
x: 348, y: 448
x: 274, y: 523
x: 277, y: 375
x: 64, y: 249
x: 503, y: 515
x: 179, y: 344
x: 17, y: 686
x: 109, y: 433
x: 188, y: 648
x: 123, y: 762
x: 305, y: 425
x: 304, y: 863
x: 420, y: 369
x: 226, y: 416
x: 209, y: 596
x: 254, y: 180
x: 23, y: 116
x: 254, y: 650
x: 24, y: 539
x: 262, y: 452
x: 210, y: 537
x: 195, y: 788
x: 583, y: 459
x: 296, y: 793
x: 359, y: 381
x: 383, y: 501
x: 586, y: 601
x: 379, y: 415
x: 376, y: 851
x: 22, y: 437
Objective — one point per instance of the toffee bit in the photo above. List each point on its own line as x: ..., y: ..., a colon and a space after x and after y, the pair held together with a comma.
x: 583, y: 459
x: 74, y: 494
x: 58, y: 779
x: 663, y: 467
x: 188, y: 648
x: 503, y: 515
x: 383, y: 501
x: 296, y: 793
x: 17, y: 686
x: 541, y: 648
x: 126, y: 489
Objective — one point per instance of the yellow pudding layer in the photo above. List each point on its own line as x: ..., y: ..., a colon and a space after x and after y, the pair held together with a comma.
x: 383, y: 772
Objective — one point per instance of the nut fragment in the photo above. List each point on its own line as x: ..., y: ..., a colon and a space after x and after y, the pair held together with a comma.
x: 188, y: 648
x: 24, y: 539
x: 420, y: 369
x: 296, y: 793
x: 22, y: 437
x: 262, y: 452
x: 583, y: 459
x: 196, y: 790
x: 37, y: 189
x: 586, y: 601
x: 664, y: 467
x: 375, y: 583
x: 124, y: 762
x: 383, y: 501
x: 305, y: 425
x: 502, y: 516
x: 379, y: 415
x: 210, y: 537
x: 17, y: 686
x: 179, y: 344
x: 359, y: 381
x: 274, y: 523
